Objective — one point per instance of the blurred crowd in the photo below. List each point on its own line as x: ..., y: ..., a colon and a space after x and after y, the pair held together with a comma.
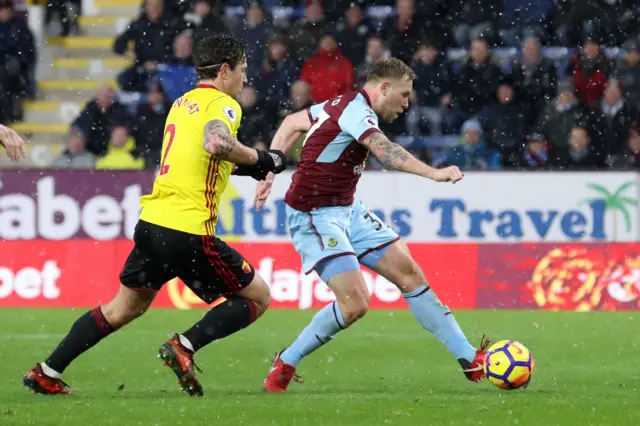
x: 17, y: 63
x: 527, y: 84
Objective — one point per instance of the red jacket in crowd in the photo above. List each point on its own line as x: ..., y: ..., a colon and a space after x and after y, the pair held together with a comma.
x: 589, y: 77
x: 329, y: 74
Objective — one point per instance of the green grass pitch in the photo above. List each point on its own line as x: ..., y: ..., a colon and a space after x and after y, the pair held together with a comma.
x: 383, y: 370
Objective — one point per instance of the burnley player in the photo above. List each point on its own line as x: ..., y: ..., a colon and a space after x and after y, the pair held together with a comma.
x: 335, y: 234
x: 175, y: 235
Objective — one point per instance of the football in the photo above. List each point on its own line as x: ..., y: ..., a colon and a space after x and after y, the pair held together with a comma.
x: 509, y: 365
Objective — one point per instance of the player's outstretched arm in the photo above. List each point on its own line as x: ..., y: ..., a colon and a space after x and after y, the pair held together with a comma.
x: 219, y: 141
x: 393, y: 156
x: 13, y: 144
x: 290, y: 129
x: 287, y: 134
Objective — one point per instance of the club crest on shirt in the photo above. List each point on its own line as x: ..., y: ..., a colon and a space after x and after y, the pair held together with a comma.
x: 332, y: 242
x: 370, y: 121
x: 230, y: 113
x: 246, y: 268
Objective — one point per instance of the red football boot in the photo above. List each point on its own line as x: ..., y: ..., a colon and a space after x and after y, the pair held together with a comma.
x: 38, y: 382
x: 280, y: 375
x: 475, y: 370
x: 180, y: 360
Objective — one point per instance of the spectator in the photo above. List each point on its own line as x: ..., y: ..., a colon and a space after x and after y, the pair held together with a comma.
x: 97, y: 118
x: 149, y: 124
x: 628, y: 72
x: 573, y: 19
x: 402, y: 33
x: 334, y: 10
x: 277, y: 74
x: 474, y: 20
x: 473, y: 153
x: 300, y: 99
x: 523, y: 19
x: 629, y: 156
x: 535, y: 79
x: 206, y: 18
x: 75, y: 156
x: 328, y: 72
x: 375, y: 51
x: 58, y: 7
x: 561, y: 115
x: 177, y: 8
x: 505, y: 123
x: 17, y: 50
x: 432, y: 89
x: 253, y: 31
x: 437, y: 19
x: 178, y: 75
x: 535, y: 155
x: 120, y: 154
x: 352, y: 33
x: 300, y: 96
x: 256, y: 119
x: 579, y: 154
x: 611, y: 120
x: 305, y: 34
x: 615, y: 21
x: 153, y: 35
x: 589, y: 70
x: 474, y: 87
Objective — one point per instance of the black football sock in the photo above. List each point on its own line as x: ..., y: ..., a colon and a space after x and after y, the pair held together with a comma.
x: 88, y: 330
x: 230, y: 316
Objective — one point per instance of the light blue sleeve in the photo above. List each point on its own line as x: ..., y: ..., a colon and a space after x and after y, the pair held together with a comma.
x: 314, y: 110
x: 358, y: 120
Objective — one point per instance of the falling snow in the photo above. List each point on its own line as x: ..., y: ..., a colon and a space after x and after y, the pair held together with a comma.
x: 525, y: 85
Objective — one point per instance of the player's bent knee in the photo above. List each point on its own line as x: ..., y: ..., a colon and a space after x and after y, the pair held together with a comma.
x: 355, y: 304
x: 407, y: 274
x: 126, y: 306
x: 263, y: 298
x: 257, y: 292
x: 350, y: 289
x: 119, y: 315
x: 412, y: 276
x: 354, y: 310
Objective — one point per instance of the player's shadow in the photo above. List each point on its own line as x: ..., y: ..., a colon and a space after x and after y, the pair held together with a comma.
x: 175, y: 394
x: 484, y: 390
x: 467, y: 392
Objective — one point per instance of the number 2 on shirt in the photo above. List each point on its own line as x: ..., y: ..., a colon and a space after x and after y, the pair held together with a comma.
x: 171, y: 130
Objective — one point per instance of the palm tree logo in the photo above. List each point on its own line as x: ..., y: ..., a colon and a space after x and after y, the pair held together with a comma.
x: 616, y: 202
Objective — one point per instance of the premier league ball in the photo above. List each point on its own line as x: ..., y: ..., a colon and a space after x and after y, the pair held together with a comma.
x: 509, y: 365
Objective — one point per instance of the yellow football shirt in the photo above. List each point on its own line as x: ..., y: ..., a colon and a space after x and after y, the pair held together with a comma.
x: 186, y: 192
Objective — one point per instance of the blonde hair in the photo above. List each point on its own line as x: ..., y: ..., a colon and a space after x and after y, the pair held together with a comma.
x: 390, y: 68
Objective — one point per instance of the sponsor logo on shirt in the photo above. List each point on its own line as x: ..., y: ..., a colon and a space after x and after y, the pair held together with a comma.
x: 357, y: 170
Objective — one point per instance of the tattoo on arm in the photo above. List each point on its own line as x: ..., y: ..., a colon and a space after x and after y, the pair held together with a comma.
x: 225, y: 142
x: 391, y: 155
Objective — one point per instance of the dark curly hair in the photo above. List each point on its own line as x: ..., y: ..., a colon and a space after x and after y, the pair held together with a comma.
x: 211, y: 52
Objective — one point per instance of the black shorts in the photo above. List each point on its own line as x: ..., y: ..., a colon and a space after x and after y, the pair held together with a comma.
x: 207, y: 265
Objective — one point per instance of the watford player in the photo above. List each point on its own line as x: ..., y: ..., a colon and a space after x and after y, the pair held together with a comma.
x: 175, y: 234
